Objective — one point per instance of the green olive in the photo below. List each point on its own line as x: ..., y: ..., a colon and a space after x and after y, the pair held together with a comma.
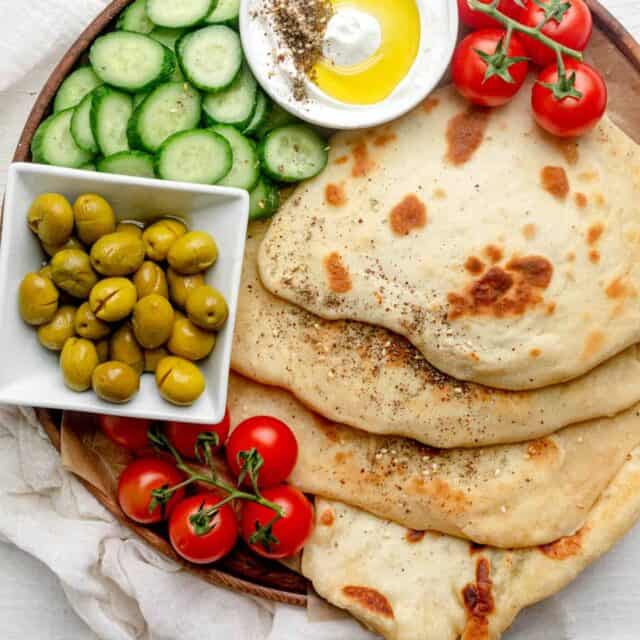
x: 124, y: 347
x: 179, y: 381
x: 194, y: 252
x: 207, y: 308
x: 55, y: 333
x: 71, y: 271
x: 130, y: 227
x: 117, y: 254
x: 38, y: 299
x: 113, y: 299
x: 180, y: 286
x: 94, y: 218
x: 153, y: 318
x: 189, y: 341
x: 102, y: 347
x: 72, y: 243
x: 159, y: 237
x: 115, y: 382
x: 78, y: 360
x: 88, y: 326
x: 50, y: 217
x: 152, y: 357
x: 150, y: 278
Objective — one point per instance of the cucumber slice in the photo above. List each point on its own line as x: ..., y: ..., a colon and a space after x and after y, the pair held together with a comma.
x: 169, y: 37
x: 110, y: 113
x: 76, y: 86
x: 210, y: 58
x: 134, y: 18
x: 277, y: 117
x: 131, y: 61
x: 129, y: 163
x: 168, y: 109
x: 245, y: 171
x: 260, y: 114
x: 178, y: 13
x: 227, y: 12
x: 293, y: 153
x: 54, y: 144
x: 81, y: 126
x: 264, y: 200
x: 199, y: 155
x: 88, y: 167
x: 139, y: 97
x: 234, y: 105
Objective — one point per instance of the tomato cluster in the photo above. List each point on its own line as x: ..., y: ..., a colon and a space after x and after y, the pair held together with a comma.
x: 491, y: 64
x: 206, y: 515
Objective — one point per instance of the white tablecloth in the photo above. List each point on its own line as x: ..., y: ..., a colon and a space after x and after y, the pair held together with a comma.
x: 115, y: 583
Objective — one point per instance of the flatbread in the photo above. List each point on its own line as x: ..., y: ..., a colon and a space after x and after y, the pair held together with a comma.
x: 506, y: 257
x: 516, y: 495
x: 407, y: 586
x: 375, y: 380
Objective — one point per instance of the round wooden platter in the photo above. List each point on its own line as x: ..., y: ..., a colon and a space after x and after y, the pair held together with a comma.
x: 612, y: 49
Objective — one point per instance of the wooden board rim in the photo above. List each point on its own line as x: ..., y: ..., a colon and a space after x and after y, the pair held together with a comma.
x: 609, y: 25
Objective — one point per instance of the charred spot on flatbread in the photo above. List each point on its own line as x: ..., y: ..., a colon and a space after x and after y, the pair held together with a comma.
x: 594, y: 256
x: 493, y: 252
x: 479, y: 603
x: 335, y: 195
x: 581, y: 200
x: 555, y: 181
x: 337, y: 274
x: 430, y: 104
x: 465, y: 134
x: 529, y: 231
x: 362, y: 162
x: 543, y: 448
x: 567, y: 547
x: 408, y: 215
x: 383, y: 138
x: 474, y: 265
x: 536, y: 270
x: 327, y: 518
x: 412, y: 536
x: 620, y: 288
x: 592, y: 344
x: 594, y: 232
x: 369, y: 599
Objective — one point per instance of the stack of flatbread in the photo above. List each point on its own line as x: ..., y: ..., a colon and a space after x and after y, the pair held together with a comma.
x: 447, y: 318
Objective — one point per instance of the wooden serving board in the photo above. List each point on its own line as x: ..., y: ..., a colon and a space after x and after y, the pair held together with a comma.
x: 612, y: 49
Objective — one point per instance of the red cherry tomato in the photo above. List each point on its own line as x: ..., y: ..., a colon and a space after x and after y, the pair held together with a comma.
x: 205, y: 539
x: 273, y: 440
x: 477, y: 20
x: 469, y: 68
x: 573, y: 30
x: 138, y: 481
x: 183, y: 435
x: 570, y: 116
x: 291, y: 531
x: 130, y: 433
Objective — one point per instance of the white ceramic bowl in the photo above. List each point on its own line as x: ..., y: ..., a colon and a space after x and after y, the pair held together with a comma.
x: 439, y: 32
x: 29, y: 374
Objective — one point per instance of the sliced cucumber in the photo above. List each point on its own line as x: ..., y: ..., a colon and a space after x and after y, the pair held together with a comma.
x: 169, y: 37
x: 110, y: 113
x: 227, y: 12
x: 168, y: 109
x: 210, y: 58
x: 81, y: 126
x: 54, y: 144
x: 135, y: 18
x: 90, y: 166
x: 76, y: 86
x: 139, y: 97
x: 129, y: 163
x: 277, y: 117
x: 179, y: 13
x: 264, y: 199
x: 131, y: 61
x: 293, y: 153
x: 235, y: 105
x: 260, y: 114
x: 199, y: 155
x: 245, y: 171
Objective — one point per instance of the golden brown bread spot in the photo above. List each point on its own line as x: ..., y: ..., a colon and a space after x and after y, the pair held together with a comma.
x: 594, y: 256
x: 465, y: 133
x: 430, y: 104
x: 334, y: 194
x: 568, y: 148
x: 535, y: 353
x: 474, y: 265
x: 341, y: 457
x: 384, y: 138
x: 412, y: 536
x: 592, y: 344
x: 327, y: 517
x: 542, y: 448
x: 571, y: 256
x: 551, y: 307
x: 479, y: 603
x: 536, y: 270
x: 327, y: 427
x: 408, y: 215
x: 555, y: 181
x: 494, y: 284
x: 529, y: 231
x: 439, y: 194
x: 580, y: 200
x: 600, y: 201
x: 439, y: 490
x: 565, y: 547
x: 474, y: 356
x: 587, y: 176
x: 362, y: 163
x: 594, y: 232
x: 342, y: 160
x: 618, y: 288
x: 369, y: 599
x: 493, y: 252
x: 337, y: 273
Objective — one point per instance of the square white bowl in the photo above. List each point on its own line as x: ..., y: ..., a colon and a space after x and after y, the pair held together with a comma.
x: 29, y: 374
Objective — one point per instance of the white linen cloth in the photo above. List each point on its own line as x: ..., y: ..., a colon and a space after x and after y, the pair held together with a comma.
x: 123, y: 589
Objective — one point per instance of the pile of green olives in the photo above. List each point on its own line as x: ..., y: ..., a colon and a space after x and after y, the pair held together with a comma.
x: 117, y: 300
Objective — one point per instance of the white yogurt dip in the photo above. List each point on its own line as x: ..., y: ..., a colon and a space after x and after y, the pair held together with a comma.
x: 352, y: 37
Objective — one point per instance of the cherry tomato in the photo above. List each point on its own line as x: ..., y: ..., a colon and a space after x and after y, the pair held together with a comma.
x: 573, y: 30
x: 291, y: 531
x: 469, y: 69
x: 273, y: 440
x: 137, y: 482
x: 570, y: 116
x: 477, y: 20
x: 203, y: 539
x: 130, y: 433
x: 183, y: 435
